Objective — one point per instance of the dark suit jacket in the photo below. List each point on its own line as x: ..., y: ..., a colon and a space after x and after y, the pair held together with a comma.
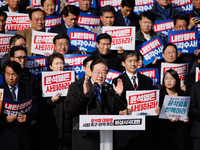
x: 17, y: 132
x: 144, y: 83
x: 76, y: 103
x: 119, y: 20
x: 114, y: 61
x: 62, y: 29
x: 194, y: 111
x: 21, y: 9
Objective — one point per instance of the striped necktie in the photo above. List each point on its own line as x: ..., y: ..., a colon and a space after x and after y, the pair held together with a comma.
x: 134, y: 83
x: 13, y: 93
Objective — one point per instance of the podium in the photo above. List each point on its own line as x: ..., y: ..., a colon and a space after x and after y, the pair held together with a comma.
x: 107, y: 123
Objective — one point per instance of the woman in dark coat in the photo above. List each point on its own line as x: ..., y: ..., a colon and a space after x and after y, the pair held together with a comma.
x: 172, y: 134
x: 56, y: 124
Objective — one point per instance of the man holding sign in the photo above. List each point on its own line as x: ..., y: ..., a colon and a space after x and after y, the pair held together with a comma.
x: 15, y: 128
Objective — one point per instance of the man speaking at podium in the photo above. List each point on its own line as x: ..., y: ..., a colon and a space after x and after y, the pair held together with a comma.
x: 92, y: 97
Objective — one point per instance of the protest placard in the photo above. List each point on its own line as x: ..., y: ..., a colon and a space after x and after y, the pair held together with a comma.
x: 2, y: 3
x: 74, y: 62
x: 197, y: 75
x: 88, y: 21
x: 151, y: 73
x: 121, y: 36
x: 16, y: 22
x: 16, y: 108
x: 42, y: 42
x: 143, y: 5
x: 37, y: 4
x: 4, y: 43
x: 37, y: 64
x: 54, y: 82
x: 181, y: 69
x: 115, y: 3
x: 52, y: 21
x: 175, y: 106
x: 186, y: 41
x: 183, y: 6
x: 75, y: 2
x: 1, y: 99
x: 162, y: 27
x: 143, y: 102
x: 112, y: 74
x: 151, y: 49
x: 82, y: 39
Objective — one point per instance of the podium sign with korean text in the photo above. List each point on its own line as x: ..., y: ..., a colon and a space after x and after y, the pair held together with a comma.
x: 175, y: 106
x: 54, y: 82
x: 42, y: 42
x: 143, y: 102
x: 121, y: 36
x: 111, y: 122
x: 181, y: 69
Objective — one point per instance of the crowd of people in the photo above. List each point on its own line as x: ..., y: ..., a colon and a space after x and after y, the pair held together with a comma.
x: 52, y: 123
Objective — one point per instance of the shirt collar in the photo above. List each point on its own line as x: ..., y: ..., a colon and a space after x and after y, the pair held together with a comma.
x: 12, y: 11
x: 16, y: 86
x: 130, y: 75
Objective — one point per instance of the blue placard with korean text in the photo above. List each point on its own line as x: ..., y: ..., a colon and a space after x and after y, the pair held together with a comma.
x: 74, y: 62
x: 162, y: 27
x: 186, y: 41
x: 75, y: 2
x: 151, y: 73
x: 115, y: 3
x: 88, y: 21
x: 37, y: 4
x: 52, y: 21
x: 16, y: 108
x: 151, y: 49
x: 183, y: 6
x: 2, y: 3
x: 37, y: 64
x: 143, y: 5
x: 112, y: 74
x: 82, y: 39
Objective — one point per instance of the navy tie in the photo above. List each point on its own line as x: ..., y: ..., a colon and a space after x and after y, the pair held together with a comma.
x: 98, y: 93
x: 13, y: 92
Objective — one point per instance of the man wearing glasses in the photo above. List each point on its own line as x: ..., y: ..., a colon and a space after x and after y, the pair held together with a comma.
x: 37, y: 21
x: 82, y: 100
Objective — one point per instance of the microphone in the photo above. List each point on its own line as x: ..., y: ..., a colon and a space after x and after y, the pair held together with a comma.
x: 110, y: 88
x: 95, y: 86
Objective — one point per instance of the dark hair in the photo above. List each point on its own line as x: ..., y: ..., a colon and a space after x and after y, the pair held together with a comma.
x: 181, y: 18
x: 15, y: 38
x: 72, y: 9
x: 128, y: 3
x: 107, y: 8
x: 55, y: 55
x: 42, y: 2
x: 86, y: 60
x: 130, y: 54
x: 169, y: 44
x: 103, y: 36
x: 34, y: 10
x: 148, y: 14
x: 16, y: 48
x: 14, y: 65
x: 176, y: 76
x: 2, y: 13
x: 98, y: 61
x: 60, y: 36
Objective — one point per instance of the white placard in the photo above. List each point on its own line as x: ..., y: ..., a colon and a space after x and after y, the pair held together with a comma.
x: 111, y: 122
x: 56, y: 82
x: 181, y: 69
x: 16, y: 22
x: 42, y: 42
x: 175, y: 106
x: 197, y: 77
x: 1, y: 99
x: 4, y: 43
x: 121, y: 36
x: 143, y: 102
